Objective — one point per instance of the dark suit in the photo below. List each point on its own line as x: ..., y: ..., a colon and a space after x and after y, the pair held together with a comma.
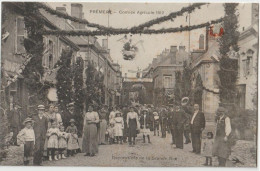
x: 147, y: 121
x: 40, y: 129
x: 178, y: 120
x: 198, y: 124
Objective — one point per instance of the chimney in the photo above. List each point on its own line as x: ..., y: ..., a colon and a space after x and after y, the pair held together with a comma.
x: 182, y: 48
x: 61, y: 9
x: 104, y: 44
x: 60, y: 21
x: 76, y: 11
x: 173, y: 49
x: 173, y: 52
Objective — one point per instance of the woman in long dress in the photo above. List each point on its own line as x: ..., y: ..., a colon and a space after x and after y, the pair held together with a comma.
x: 133, y: 125
x: 90, y: 141
x: 103, y: 127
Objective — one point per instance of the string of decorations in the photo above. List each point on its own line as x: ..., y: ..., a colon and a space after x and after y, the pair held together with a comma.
x: 171, y: 16
x: 123, y: 31
x: 20, y: 70
x: 208, y: 90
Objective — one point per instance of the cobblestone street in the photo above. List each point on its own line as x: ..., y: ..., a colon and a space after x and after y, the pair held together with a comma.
x: 159, y: 153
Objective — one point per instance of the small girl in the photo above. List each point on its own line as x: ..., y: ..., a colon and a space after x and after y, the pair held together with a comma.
x: 63, y: 136
x: 156, y: 122
x: 110, y: 133
x: 53, y: 143
x: 27, y: 137
x: 118, y: 128
x: 207, y: 149
x: 73, y: 144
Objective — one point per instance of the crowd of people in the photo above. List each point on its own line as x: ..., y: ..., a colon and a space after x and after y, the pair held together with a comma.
x: 46, y: 135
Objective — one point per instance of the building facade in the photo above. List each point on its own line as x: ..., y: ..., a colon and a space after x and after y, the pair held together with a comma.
x: 162, y: 71
x: 248, y: 63
x: 13, y: 50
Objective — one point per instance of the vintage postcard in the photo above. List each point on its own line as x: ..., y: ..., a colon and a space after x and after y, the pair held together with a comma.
x: 129, y: 84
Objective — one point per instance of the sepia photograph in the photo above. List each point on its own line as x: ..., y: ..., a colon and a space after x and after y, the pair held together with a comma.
x: 129, y: 84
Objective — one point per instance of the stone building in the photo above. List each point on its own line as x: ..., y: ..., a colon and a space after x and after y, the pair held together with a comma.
x: 13, y: 49
x: 162, y: 71
x: 248, y: 63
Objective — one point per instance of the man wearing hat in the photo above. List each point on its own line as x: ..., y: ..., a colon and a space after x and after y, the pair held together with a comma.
x: 68, y: 114
x: 197, y: 126
x: 40, y: 129
x: 16, y: 121
x: 179, y: 119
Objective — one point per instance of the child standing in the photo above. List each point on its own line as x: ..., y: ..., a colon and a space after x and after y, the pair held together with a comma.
x: 207, y: 149
x: 73, y: 144
x: 118, y: 128
x: 110, y: 133
x: 63, y: 136
x: 53, y: 143
x: 156, y: 122
x: 27, y: 137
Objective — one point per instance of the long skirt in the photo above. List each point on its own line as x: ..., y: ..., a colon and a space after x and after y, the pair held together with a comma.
x: 178, y: 138
x: 132, y: 128
x: 102, y: 132
x: 90, y: 141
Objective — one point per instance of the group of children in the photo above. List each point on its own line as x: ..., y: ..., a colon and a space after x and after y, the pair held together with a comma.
x: 115, y: 128
x: 58, y: 140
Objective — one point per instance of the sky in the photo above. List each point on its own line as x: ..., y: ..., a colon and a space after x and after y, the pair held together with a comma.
x: 126, y: 15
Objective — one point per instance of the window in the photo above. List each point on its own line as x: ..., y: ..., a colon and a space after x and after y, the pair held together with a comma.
x: 50, y: 61
x: 167, y: 82
x: 247, y: 65
x: 51, y: 55
x: 20, y: 35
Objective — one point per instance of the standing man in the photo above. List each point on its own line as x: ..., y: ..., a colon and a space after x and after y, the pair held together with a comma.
x: 197, y: 126
x: 40, y: 128
x: 68, y: 115
x: 222, y: 145
x: 16, y: 121
x: 171, y: 125
x: 178, y: 121
x: 163, y: 122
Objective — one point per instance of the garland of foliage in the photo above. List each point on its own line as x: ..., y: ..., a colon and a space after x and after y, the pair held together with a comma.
x: 227, y: 65
x: 64, y: 82
x: 78, y: 92
x: 172, y: 15
x: 94, y: 91
x: 126, y: 31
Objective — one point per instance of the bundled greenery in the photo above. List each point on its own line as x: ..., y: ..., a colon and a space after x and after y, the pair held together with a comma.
x: 64, y: 82
x: 198, y: 91
x: 177, y: 88
x: 78, y: 92
x: 228, y: 67
x: 33, y: 71
x: 94, y: 87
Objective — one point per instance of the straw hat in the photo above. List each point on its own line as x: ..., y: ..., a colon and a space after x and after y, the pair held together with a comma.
x: 72, y: 120
x: 28, y: 120
x: 41, y: 107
